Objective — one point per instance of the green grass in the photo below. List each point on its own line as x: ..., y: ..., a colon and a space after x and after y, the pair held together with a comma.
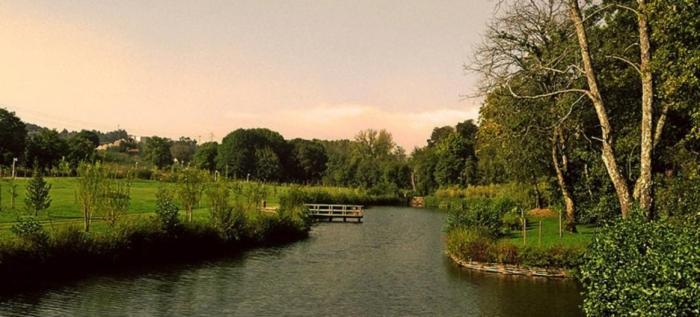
x: 65, y: 210
x: 550, y: 234
x: 63, y: 201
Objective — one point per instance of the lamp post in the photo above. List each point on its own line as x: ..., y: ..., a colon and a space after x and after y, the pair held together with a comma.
x: 14, y: 161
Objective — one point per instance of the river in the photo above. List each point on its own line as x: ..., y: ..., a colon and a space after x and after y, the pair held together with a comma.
x: 390, y: 265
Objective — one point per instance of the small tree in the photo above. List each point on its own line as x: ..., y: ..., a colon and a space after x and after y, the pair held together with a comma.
x: 227, y: 220
x: 190, y: 185
x: 89, y: 191
x: 166, y: 210
x: 38, y: 198
x: 116, y: 198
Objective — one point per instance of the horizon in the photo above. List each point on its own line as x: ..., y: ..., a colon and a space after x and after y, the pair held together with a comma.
x: 302, y: 69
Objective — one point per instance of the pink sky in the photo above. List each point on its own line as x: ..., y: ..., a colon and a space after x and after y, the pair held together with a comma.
x: 307, y: 68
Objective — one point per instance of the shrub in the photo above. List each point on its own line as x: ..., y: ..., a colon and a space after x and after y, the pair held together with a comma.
x: 30, y: 230
x: 512, y: 220
x: 636, y: 268
x: 485, y: 214
x: 228, y: 220
x: 506, y: 252
x: 553, y: 256
x: 166, y: 210
x: 470, y: 244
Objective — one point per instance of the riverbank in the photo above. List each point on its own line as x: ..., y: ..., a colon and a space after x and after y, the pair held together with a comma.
x: 495, y: 234
x: 69, y: 252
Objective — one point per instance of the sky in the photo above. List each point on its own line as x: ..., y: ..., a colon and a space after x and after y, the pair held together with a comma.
x: 305, y: 68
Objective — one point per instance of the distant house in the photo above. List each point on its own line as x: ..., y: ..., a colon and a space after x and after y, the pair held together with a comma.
x: 107, y: 146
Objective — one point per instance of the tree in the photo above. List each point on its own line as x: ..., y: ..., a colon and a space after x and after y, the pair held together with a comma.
x: 227, y: 220
x: 37, y: 198
x: 205, y: 156
x: 183, y: 150
x: 267, y: 165
x: 92, y: 136
x: 309, y: 160
x: 422, y: 164
x: 116, y: 196
x: 112, y: 136
x: 157, y: 151
x: 13, y: 135
x: 46, y: 149
x: 80, y: 149
x: 190, y: 185
x: 440, y: 133
x: 238, y: 153
x: 450, y: 164
x: 89, y: 190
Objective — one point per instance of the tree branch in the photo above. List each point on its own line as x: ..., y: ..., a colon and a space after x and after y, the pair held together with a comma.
x: 627, y: 61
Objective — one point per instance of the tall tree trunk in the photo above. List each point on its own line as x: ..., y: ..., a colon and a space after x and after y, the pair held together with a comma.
x: 608, y: 153
x: 658, y: 131
x: 561, y: 170
x: 645, y: 177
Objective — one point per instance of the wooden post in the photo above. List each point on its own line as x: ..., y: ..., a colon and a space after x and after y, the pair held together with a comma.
x: 539, y: 237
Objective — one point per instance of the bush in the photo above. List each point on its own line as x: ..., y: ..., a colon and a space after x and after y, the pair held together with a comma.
x: 470, y: 244
x: 554, y: 256
x: 507, y: 253
x: 166, y: 210
x: 512, y: 220
x: 636, y: 268
x: 485, y: 214
x: 229, y: 220
x: 30, y: 230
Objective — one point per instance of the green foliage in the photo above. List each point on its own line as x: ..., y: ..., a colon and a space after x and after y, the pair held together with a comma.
x: 448, y: 159
x: 473, y: 244
x: 37, y: 198
x: 246, y: 152
x: 46, y: 148
x: 636, y: 268
x: 678, y: 197
x: 13, y: 135
x: 30, y: 229
x: 470, y: 244
x: 227, y: 219
x: 80, y: 148
x: 190, y: 185
x: 205, y: 156
x: 156, y: 150
x: 166, y: 210
x: 183, y: 150
x: 267, y: 165
x: 309, y: 159
x: 484, y: 214
x: 115, y: 200
x: 89, y: 190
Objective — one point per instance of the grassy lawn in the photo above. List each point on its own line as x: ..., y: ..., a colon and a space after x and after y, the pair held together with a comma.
x: 550, y: 234
x: 63, y: 200
x: 64, y: 209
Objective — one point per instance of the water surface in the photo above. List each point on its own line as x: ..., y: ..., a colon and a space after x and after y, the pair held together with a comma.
x: 390, y: 265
